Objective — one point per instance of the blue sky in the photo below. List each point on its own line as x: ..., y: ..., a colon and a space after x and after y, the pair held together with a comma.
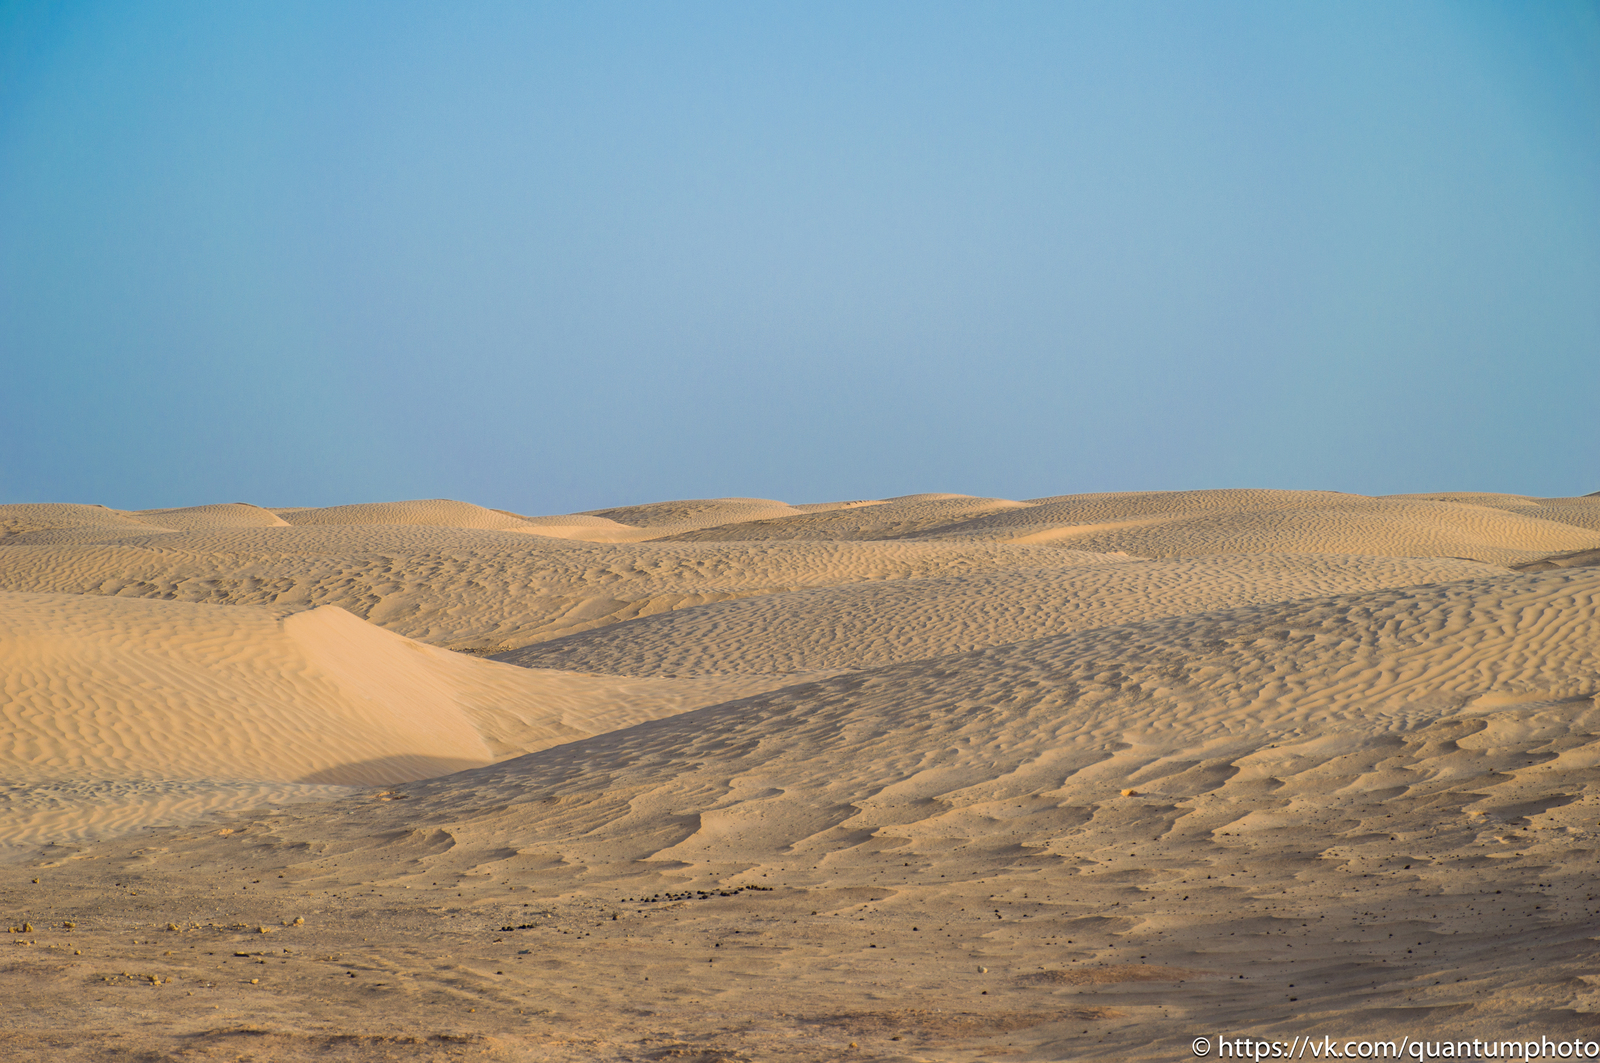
x: 551, y: 257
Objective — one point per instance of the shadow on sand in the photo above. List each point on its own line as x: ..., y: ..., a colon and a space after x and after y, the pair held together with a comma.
x: 386, y: 771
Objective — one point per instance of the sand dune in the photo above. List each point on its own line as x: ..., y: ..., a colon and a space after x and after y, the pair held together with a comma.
x: 589, y: 529
x: 1023, y: 720
x: 1579, y: 512
x: 1582, y: 512
x: 476, y: 589
x: 225, y: 515
x: 1575, y: 559
x: 1091, y: 844
x: 1051, y: 767
x: 1226, y: 522
x: 433, y: 513
x: 865, y: 625
x: 121, y: 713
x: 1498, y: 529
x: 890, y: 519
x: 695, y: 512
x: 98, y: 688
x: 445, y: 513
x: 65, y: 524
x: 936, y: 777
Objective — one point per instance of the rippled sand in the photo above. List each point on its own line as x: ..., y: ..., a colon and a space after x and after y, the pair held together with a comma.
x: 936, y: 777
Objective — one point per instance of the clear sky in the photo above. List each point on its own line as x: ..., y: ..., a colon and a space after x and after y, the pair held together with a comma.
x: 552, y: 257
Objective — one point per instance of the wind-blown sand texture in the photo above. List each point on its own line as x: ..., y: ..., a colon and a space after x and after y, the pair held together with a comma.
x: 934, y: 777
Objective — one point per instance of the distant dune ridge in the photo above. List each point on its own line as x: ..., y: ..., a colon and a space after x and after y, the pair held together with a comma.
x: 888, y: 621
x: 944, y: 776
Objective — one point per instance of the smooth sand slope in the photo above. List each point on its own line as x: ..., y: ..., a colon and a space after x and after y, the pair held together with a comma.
x: 936, y: 777
x: 97, y: 687
x: 120, y: 712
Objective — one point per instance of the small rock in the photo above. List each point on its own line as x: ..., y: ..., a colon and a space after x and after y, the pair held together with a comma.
x: 983, y: 970
x: 1130, y: 793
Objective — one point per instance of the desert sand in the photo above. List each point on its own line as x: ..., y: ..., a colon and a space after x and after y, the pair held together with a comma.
x: 934, y: 777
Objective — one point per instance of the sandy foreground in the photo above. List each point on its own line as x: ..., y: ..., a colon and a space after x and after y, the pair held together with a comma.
x: 927, y: 778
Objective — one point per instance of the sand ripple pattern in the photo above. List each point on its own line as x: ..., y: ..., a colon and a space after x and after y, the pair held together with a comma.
x: 477, y: 589
x: 47, y: 814
x: 871, y: 624
x: 1172, y: 524
x: 1289, y: 711
x: 117, y: 658
x: 1055, y: 778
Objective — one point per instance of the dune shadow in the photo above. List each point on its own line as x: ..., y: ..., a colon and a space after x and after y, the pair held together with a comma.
x: 386, y: 771
x: 1574, y: 559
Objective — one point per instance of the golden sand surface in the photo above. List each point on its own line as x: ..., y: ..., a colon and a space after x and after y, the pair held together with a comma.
x: 925, y: 778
